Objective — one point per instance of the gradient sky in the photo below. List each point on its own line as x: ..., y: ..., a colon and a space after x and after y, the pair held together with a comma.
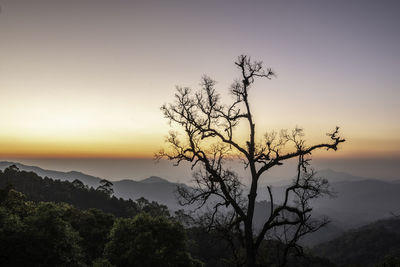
x: 86, y: 78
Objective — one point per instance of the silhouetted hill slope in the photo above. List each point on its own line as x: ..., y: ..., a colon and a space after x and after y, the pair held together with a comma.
x: 364, y: 246
x: 70, y: 176
x: 76, y: 193
x: 153, y: 188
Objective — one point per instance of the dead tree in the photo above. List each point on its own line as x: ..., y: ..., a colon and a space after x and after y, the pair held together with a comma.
x: 207, y: 138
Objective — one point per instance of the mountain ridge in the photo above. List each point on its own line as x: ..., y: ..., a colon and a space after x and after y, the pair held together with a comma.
x: 154, y: 179
x: 359, y: 201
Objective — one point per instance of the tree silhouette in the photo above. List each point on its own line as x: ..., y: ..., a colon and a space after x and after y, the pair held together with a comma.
x: 209, y: 139
x: 106, y: 187
x: 78, y: 184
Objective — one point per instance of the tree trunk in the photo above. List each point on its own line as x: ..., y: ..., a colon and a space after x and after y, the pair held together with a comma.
x: 250, y: 250
x: 250, y: 256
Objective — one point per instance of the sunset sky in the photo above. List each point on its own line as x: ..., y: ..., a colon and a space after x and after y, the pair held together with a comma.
x: 86, y: 78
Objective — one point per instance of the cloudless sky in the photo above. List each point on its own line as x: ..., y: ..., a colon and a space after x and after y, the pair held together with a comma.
x: 86, y: 78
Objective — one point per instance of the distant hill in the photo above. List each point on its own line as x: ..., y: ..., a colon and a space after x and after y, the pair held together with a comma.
x: 39, y: 189
x: 329, y: 174
x: 153, y: 188
x: 357, y: 200
x: 160, y: 191
x: 360, y: 202
x: 365, y: 246
x: 329, y: 232
x: 89, y: 180
x: 154, y: 180
x: 335, y: 176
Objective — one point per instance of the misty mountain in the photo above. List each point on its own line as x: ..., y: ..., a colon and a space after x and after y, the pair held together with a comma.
x: 329, y: 232
x: 362, y: 201
x: 335, y: 176
x: 328, y: 174
x: 356, y: 200
x: 153, y: 188
x: 154, y: 180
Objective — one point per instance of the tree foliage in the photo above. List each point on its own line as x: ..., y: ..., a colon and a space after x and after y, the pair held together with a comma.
x: 37, y: 233
x: 39, y: 236
x: 148, y: 241
x: 57, y: 234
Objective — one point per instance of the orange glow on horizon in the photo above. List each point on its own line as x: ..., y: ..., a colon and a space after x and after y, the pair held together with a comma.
x: 59, y: 149
x: 141, y: 147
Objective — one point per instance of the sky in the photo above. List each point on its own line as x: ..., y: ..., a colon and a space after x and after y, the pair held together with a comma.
x: 86, y: 78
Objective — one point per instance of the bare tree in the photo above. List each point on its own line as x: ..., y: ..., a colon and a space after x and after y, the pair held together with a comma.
x: 209, y: 139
